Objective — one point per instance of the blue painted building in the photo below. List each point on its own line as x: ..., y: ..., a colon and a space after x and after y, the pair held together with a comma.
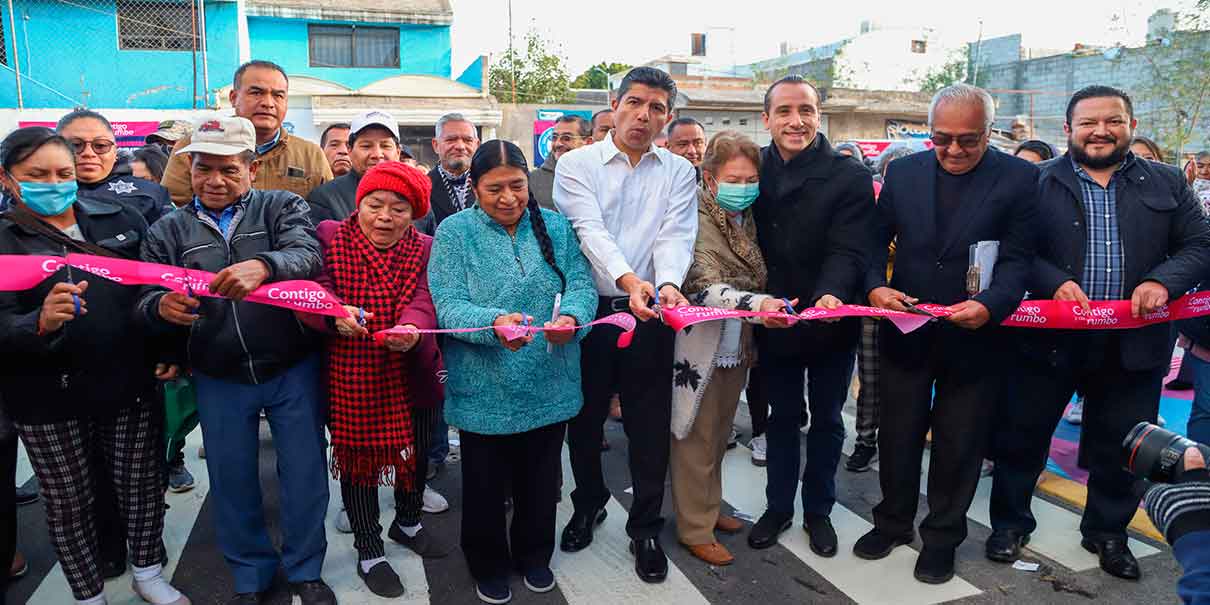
x: 180, y: 54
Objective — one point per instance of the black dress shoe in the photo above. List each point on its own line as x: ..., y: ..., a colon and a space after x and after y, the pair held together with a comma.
x: 245, y: 598
x: 112, y: 568
x: 578, y: 533
x: 382, y: 580
x: 1115, y: 557
x: 650, y: 562
x: 768, y: 527
x: 934, y: 565
x: 1004, y: 545
x: 314, y: 592
x: 876, y: 544
x: 27, y: 495
x: 820, y: 535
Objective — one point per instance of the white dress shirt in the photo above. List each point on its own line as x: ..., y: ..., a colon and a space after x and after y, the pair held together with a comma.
x: 630, y: 219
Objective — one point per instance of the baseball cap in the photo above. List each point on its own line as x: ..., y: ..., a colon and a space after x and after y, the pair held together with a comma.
x: 222, y: 136
x: 172, y: 130
x: 374, y: 117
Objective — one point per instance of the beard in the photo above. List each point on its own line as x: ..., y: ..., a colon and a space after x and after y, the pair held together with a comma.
x: 1115, y: 157
x: 457, y: 165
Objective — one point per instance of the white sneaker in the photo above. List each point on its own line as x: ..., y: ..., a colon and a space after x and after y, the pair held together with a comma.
x: 1075, y: 413
x: 759, y: 450
x: 433, y: 502
x: 342, y: 522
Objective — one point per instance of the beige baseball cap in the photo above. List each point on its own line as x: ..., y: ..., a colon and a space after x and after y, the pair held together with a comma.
x: 222, y: 136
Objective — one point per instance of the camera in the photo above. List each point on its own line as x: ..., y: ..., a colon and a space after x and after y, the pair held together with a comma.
x: 1157, y: 454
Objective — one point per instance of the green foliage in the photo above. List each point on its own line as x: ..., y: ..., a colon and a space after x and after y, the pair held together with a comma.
x: 952, y: 72
x: 539, y: 72
x: 597, y: 76
x: 1178, y: 83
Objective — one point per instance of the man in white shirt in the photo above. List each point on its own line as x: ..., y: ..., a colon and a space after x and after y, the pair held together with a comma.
x: 634, y: 207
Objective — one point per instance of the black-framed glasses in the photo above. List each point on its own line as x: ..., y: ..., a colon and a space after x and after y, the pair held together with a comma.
x: 966, y: 141
x: 99, y: 146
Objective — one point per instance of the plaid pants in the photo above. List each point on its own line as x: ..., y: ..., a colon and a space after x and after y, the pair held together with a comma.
x: 867, y: 373
x: 130, y: 443
x: 408, y: 504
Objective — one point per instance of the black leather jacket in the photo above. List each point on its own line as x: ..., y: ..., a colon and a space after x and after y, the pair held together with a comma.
x: 239, y: 341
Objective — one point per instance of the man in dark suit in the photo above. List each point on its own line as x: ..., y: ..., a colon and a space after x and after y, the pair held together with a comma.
x: 936, y: 204
x: 455, y: 143
x: 813, y: 219
x: 1112, y: 226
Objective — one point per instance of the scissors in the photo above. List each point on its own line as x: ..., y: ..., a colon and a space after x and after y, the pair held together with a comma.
x: 789, y: 307
x: 361, y: 316
x: 917, y: 310
x: 75, y: 299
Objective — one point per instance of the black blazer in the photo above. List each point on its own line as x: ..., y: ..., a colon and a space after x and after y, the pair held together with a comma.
x: 440, y: 204
x: 1165, y: 238
x: 1000, y: 205
x: 813, y: 218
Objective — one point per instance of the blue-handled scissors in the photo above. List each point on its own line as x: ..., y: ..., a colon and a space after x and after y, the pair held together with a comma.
x: 361, y: 316
x: 75, y: 299
x: 656, y: 300
x: 789, y: 307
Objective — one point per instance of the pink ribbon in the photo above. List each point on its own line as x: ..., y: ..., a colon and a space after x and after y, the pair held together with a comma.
x: 625, y: 321
x: 19, y: 272
x: 679, y: 317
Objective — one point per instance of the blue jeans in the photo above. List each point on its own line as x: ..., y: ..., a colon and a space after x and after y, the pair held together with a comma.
x: 1199, y: 416
x: 230, y: 418
x: 827, y: 384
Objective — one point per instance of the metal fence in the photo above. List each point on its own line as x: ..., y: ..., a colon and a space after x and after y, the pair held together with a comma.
x: 34, y: 34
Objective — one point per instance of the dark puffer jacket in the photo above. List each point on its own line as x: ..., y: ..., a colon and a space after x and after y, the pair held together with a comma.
x: 239, y: 341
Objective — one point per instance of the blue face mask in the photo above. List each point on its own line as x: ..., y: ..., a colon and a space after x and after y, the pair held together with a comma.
x: 736, y: 197
x: 48, y: 199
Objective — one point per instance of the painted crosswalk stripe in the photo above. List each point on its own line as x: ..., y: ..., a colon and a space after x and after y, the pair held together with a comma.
x: 178, y: 524
x: 744, y: 489
x: 1058, y: 534
x: 604, y: 572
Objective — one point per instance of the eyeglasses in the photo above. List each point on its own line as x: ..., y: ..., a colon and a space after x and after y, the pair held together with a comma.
x: 566, y: 138
x: 966, y: 141
x: 99, y: 146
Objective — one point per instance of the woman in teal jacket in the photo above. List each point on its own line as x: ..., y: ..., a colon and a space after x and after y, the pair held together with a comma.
x: 502, y: 263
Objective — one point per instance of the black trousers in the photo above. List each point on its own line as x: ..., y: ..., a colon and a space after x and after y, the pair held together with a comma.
x: 525, y: 466
x: 8, y: 490
x: 946, y: 379
x: 642, y: 376
x: 1115, y: 399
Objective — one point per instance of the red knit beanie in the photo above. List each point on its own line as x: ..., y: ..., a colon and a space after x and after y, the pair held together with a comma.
x: 408, y: 182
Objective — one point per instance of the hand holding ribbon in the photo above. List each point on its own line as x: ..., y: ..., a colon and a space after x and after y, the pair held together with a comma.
x: 404, y: 341
x: 61, y: 305
x: 561, y: 330
x: 518, y: 329
x: 774, y: 305
x: 513, y: 330
x: 353, y: 324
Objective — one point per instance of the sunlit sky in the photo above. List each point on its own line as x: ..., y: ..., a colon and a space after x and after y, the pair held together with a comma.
x: 633, y: 31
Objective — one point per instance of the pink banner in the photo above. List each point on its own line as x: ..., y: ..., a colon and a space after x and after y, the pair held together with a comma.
x: 18, y: 272
x: 625, y: 321
x: 125, y: 133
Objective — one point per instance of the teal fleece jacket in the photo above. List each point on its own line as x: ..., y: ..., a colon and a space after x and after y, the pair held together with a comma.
x: 478, y: 272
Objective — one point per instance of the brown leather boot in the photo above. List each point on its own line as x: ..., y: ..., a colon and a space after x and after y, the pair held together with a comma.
x: 714, y: 554
x: 728, y: 524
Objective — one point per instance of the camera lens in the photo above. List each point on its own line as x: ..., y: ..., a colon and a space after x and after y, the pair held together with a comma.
x: 1152, y: 452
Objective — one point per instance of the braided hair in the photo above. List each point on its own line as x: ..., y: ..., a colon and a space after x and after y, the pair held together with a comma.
x: 493, y: 154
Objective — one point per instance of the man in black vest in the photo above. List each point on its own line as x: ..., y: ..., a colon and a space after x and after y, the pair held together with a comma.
x: 1112, y: 226
x: 936, y: 205
x: 813, y: 221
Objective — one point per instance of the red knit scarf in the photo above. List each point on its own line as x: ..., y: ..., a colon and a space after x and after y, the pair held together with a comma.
x: 370, y: 413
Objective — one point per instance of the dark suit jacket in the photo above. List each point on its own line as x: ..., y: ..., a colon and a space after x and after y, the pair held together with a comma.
x: 440, y: 204
x: 1164, y: 236
x: 334, y: 200
x: 813, y: 218
x: 1000, y: 205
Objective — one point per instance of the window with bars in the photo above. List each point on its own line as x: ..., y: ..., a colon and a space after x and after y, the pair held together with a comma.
x: 3, y: 41
x: 156, y: 25
x: 353, y: 46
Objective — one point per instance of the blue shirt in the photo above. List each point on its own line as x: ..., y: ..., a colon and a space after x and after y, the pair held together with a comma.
x: 222, y: 219
x: 263, y: 149
x: 1104, y: 257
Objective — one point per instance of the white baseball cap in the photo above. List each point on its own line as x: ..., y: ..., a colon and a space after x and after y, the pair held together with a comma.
x: 222, y: 136
x: 374, y: 117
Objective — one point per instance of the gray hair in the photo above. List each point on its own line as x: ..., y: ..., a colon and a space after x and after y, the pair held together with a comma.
x: 964, y: 93
x: 452, y: 117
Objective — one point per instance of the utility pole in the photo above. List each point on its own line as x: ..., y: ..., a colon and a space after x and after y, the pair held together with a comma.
x: 978, y: 54
x: 512, y: 57
x: 12, y: 25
